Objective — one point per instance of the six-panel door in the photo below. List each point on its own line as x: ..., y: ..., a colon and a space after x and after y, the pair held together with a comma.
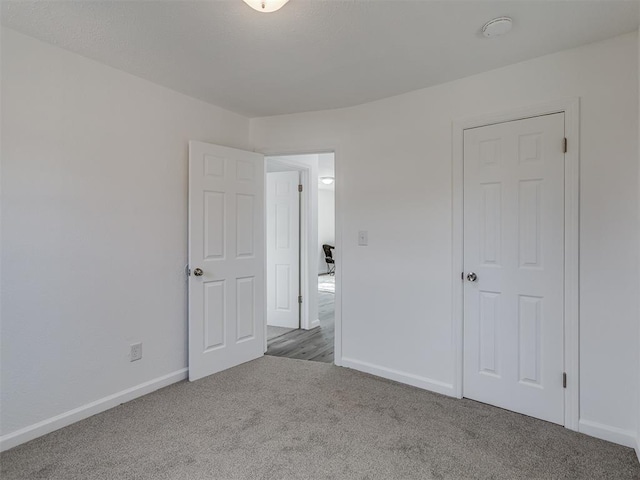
x: 514, y: 244
x: 283, y: 249
x: 226, y: 242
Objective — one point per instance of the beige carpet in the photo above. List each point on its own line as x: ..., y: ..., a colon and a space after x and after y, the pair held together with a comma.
x: 278, y: 418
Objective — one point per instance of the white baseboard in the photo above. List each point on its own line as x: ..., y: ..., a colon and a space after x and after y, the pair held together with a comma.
x: 638, y: 446
x: 314, y: 324
x: 402, y: 377
x: 49, y: 425
x: 606, y: 432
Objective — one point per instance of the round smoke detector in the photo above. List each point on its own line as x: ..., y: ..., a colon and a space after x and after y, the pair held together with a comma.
x: 497, y: 26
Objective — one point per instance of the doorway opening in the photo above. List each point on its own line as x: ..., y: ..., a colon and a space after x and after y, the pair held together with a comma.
x: 300, y: 274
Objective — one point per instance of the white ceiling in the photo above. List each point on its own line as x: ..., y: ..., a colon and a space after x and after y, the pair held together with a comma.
x: 312, y: 55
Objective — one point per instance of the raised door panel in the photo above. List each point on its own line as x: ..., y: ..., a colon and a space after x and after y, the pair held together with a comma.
x: 214, y: 166
x: 214, y: 314
x: 490, y: 223
x: 530, y: 340
x: 283, y: 287
x: 245, y: 308
x: 283, y: 226
x: 245, y: 220
x: 529, y: 219
x: 214, y: 225
x: 488, y: 340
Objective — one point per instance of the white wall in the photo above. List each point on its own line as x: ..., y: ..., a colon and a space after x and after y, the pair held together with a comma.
x: 94, y: 230
x: 326, y: 223
x: 393, y: 178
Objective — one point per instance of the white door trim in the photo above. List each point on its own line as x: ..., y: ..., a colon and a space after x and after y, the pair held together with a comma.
x: 285, y: 151
x: 571, y: 109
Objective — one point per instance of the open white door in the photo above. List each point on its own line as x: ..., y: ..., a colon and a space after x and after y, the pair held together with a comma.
x: 226, y: 258
x: 283, y: 249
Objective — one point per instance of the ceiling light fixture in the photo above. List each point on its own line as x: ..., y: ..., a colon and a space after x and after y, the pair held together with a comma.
x: 327, y: 180
x: 497, y: 26
x: 266, y: 6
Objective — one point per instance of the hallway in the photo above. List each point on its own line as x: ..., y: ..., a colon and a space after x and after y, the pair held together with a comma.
x: 316, y: 344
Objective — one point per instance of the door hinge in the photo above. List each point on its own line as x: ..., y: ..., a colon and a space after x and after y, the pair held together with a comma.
x: 299, y: 298
x: 564, y: 380
x: 300, y: 188
x: 565, y: 144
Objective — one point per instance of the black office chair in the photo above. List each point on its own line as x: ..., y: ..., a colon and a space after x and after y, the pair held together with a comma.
x: 328, y: 257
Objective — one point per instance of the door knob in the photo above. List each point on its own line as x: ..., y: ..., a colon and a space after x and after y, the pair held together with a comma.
x: 198, y: 272
x: 472, y: 277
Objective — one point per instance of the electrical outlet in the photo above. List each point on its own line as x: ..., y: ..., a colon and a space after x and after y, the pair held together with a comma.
x: 363, y: 238
x: 136, y: 351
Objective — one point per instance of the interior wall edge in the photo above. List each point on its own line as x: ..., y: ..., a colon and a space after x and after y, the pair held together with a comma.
x: 638, y: 139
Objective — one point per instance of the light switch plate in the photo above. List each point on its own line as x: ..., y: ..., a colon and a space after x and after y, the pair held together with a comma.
x: 136, y: 352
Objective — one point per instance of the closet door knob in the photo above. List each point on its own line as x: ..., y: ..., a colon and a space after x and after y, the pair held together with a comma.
x: 198, y: 272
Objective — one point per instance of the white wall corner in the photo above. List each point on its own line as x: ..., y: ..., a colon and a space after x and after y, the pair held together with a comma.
x: 637, y: 447
x: 637, y: 442
x: 425, y: 383
x: 49, y: 425
x: 337, y: 360
x: 617, y: 435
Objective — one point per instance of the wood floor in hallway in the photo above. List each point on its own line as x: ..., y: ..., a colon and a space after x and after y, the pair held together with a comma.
x: 315, y: 345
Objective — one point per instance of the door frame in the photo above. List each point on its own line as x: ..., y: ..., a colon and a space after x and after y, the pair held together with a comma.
x: 283, y: 152
x: 571, y: 109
